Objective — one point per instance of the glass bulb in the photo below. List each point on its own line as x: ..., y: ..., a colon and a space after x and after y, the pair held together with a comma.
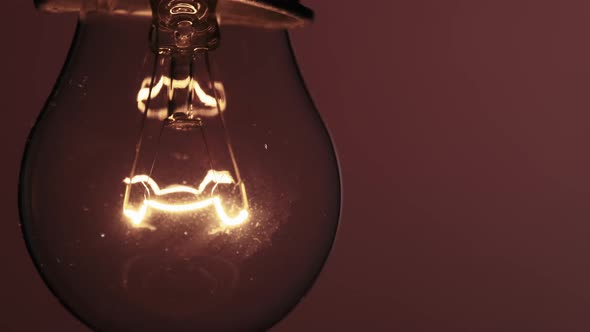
x: 179, y: 188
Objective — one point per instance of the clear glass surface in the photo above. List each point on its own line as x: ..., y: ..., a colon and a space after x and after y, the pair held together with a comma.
x: 247, y: 139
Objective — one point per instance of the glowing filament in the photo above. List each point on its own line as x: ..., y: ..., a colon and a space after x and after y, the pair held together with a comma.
x: 218, y: 177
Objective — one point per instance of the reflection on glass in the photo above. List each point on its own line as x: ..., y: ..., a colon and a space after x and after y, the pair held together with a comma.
x: 209, y: 103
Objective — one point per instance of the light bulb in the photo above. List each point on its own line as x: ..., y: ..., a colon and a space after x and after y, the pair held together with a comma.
x: 179, y: 177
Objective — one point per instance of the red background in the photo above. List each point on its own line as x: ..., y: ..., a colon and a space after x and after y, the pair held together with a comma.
x: 462, y: 129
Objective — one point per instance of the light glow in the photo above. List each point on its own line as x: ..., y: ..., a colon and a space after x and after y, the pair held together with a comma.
x: 137, y: 217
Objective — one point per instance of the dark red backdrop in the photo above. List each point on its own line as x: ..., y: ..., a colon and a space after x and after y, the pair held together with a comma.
x: 462, y: 129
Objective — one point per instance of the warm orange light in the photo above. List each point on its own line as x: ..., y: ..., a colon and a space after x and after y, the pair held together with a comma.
x: 137, y: 217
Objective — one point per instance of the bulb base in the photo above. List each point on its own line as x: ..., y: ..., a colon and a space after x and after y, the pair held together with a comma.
x: 270, y: 14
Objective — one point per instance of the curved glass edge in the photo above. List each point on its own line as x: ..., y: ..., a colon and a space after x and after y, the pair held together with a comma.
x: 23, y: 206
x: 338, y: 167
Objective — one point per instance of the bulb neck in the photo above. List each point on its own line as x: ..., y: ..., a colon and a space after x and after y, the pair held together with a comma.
x: 184, y: 26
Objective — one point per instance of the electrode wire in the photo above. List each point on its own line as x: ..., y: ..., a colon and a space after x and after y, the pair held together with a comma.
x: 227, y: 137
x: 201, y: 127
x: 142, y: 131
